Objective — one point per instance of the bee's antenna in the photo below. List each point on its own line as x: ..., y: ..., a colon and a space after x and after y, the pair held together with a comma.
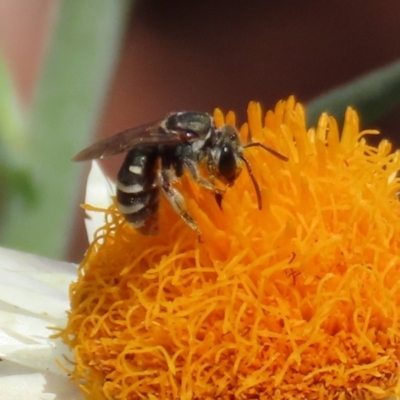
x: 272, y: 151
x: 250, y: 171
x: 255, y: 184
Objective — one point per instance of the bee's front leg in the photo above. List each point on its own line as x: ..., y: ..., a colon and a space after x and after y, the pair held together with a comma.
x: 205, y: 183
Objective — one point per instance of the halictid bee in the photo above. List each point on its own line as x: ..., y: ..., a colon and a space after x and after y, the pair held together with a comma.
x: 160, y: 152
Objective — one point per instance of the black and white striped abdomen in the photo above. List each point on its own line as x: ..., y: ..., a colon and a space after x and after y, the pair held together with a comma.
x: 138, y: 190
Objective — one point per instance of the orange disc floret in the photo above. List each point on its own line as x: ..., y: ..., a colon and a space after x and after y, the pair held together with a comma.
x: 297, y: 301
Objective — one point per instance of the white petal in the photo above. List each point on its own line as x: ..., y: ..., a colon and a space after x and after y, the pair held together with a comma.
x: 20, y: 383
x: 99, y: 190
x: 35, y: 284
x: 33, y: 299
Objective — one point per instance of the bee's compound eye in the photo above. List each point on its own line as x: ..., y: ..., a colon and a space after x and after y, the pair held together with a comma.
x: 227, y: 163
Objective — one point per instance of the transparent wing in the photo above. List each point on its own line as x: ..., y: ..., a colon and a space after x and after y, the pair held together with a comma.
x: 145, y: 135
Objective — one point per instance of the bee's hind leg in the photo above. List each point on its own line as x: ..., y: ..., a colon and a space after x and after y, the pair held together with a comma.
x: 177, y: 201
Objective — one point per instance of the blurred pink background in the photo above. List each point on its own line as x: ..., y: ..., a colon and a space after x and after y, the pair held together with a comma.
x: 201, y: 54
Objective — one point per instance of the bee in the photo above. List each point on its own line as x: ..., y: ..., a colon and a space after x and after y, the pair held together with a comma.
x: 159, y: 153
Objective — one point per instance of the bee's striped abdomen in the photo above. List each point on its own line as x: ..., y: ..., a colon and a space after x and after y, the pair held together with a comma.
x: 138, y: 191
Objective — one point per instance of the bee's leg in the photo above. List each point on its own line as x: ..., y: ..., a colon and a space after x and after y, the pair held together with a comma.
x: 177, y: 201
x: 194, y: 173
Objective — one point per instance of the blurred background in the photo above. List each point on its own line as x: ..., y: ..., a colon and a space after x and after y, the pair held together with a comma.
x: 180, y: 55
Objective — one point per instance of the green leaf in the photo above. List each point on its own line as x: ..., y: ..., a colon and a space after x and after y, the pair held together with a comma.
x: 17, y: 186
x: 372, y: 95
x: 16, y: 183
x: 12, y: 140
x: 69, y: 99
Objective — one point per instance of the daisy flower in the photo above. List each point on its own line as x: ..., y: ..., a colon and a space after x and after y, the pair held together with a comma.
x: 297, y: 301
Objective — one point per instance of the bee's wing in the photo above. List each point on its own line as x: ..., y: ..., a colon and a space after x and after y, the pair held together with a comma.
x: 145, y: 135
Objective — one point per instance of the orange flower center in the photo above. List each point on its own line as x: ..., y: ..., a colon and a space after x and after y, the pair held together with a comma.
x: 298, y: 300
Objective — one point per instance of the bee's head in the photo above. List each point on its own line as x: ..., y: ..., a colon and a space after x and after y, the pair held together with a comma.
x: 227, y: 155
x: 227, y: 158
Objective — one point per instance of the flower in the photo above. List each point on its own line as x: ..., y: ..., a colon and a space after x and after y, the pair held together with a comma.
x: 33, y: 300
x: 298, y: 300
